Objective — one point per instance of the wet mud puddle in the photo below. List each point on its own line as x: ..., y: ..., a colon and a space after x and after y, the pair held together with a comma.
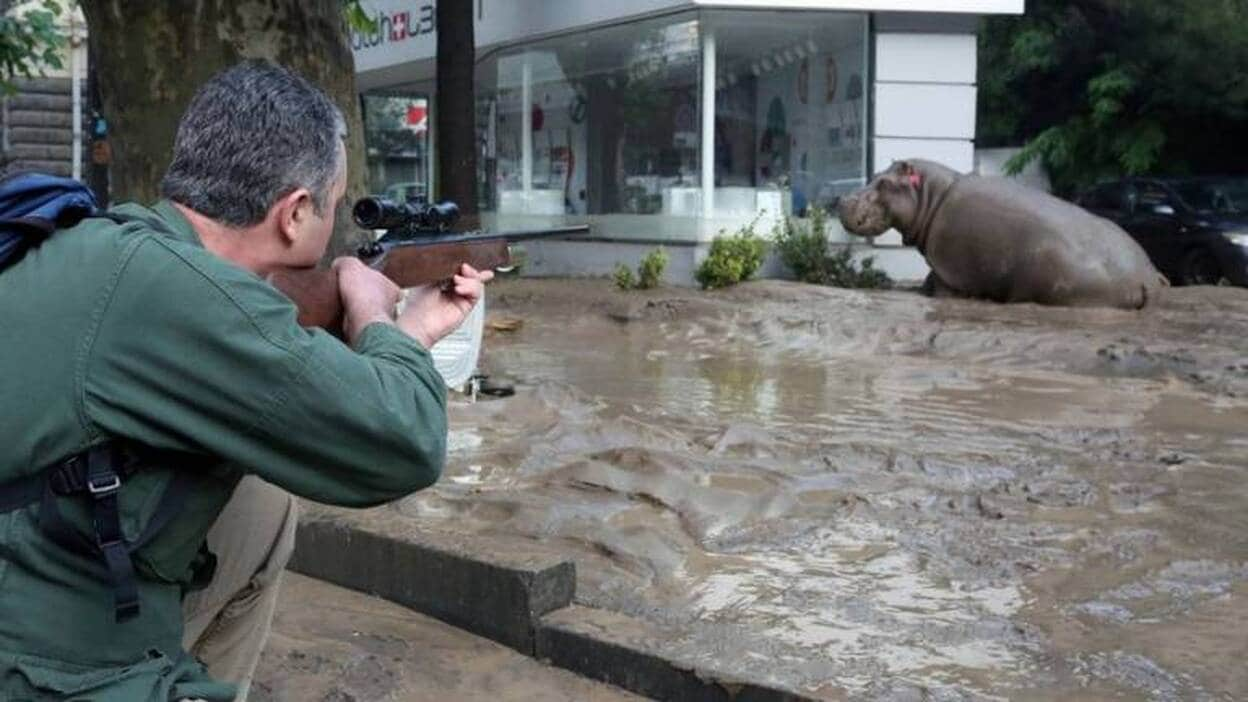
x: 880, y: 496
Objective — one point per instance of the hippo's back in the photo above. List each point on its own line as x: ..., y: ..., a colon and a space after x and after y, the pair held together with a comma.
x: 1008, y: 202
x: 1040, y: 230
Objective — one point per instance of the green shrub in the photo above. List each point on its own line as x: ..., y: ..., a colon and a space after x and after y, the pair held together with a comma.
x: 805, y: 249
x: 624, y: 277
x: 650, y: 272
x: 843, y: 272
x: 732, y: 258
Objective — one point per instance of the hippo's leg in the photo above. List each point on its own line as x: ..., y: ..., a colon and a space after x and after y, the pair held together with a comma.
x: 934, y: 286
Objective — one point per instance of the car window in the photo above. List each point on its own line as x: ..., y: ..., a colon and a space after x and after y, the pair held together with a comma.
x: 1151, y: 195
x: 1107, y: 196
x: 1220, y: 196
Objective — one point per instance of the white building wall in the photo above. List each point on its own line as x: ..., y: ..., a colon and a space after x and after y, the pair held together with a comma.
x: 925, y: 93
x: 404, y: 50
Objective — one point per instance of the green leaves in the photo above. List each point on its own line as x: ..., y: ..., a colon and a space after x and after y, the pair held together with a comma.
x: 1138, y: 148
x: 29, y: 42
x: 1101, y: 88
x: 1034, y: 49
x: 805, y: 249
x: 732, y: 259
x: 357, y: 18
x: 1107, y: 94
x: 649, y: 272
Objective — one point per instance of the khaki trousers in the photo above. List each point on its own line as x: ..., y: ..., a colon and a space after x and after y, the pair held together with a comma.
x: 227, y: 622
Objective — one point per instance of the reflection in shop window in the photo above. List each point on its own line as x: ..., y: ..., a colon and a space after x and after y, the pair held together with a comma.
x: 790, y: 108
x: 603, y: 122
x: 396, y: 137
x: 609, y: 121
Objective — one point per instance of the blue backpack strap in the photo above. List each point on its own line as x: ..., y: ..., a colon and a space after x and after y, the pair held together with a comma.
x: 33, y: 205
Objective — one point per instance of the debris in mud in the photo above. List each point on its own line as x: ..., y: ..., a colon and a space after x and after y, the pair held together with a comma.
x: 1173, y: 458
x: 1137, y: 359
x: 504, y: 324
x: 1061, y: 493
x: 1140, y: 674
x: 988, y: 507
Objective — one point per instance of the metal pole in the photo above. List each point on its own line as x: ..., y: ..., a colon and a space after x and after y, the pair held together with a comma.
x: 75, y: 72
x: 708, y: 121
x: 526, y: 128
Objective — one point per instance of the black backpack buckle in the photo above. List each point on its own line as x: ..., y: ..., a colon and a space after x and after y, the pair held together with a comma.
x: 103, y: 485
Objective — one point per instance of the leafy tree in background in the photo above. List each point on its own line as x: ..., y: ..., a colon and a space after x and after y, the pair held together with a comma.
x: 28, y: 40
x: 1102, y: 88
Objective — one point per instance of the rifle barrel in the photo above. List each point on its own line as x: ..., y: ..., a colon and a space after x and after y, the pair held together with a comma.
x: 470, y: 237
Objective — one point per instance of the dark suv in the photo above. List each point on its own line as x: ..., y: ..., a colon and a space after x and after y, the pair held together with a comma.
x: 1194, y: 229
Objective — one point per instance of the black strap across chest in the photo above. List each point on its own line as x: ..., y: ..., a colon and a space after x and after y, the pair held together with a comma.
x: 97, y: 474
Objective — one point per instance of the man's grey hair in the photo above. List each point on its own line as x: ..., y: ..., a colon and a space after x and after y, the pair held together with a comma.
x: 252, y: 134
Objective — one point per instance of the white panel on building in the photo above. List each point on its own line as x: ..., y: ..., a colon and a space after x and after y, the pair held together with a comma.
x: 958, y: 154
x: 925, y: 58
x: 959, y: 6
x: 925, y: 111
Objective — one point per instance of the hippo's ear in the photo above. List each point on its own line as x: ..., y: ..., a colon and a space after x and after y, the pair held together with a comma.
x: 905, y: 168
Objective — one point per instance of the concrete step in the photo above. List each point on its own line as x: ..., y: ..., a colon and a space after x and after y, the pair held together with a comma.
x: 514, y: 592
x: 330, y: 643
x: 639, y: 656
x: 490, y: 591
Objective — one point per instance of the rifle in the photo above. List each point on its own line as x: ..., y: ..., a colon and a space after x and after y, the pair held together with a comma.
x: 417, y: 248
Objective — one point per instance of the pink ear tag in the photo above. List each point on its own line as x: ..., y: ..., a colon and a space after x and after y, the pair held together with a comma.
x: 916, y: 180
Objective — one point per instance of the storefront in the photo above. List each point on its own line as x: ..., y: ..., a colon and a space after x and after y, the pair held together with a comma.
x: 667, y: 121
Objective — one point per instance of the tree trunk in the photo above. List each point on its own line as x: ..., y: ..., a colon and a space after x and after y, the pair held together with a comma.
x: 152, y: 56
x: 96, y: 168
x: 456, y: 107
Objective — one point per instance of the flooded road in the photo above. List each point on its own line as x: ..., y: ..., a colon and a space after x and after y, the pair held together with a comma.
x: 876, y: 495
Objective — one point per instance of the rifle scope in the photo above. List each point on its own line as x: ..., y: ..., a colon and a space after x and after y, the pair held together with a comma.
x: 380, y: 213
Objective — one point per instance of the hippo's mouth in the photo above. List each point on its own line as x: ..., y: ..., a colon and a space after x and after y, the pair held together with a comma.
x: 861, y: 219
x: 863, y: 226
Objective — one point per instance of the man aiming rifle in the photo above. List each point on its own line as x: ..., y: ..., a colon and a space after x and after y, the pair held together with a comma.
x: 157, y: 395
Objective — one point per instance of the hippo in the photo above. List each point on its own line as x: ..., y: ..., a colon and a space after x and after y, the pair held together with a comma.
x: 995, y: 239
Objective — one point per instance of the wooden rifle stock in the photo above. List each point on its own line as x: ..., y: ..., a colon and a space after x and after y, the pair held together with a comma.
x: 408, y: 261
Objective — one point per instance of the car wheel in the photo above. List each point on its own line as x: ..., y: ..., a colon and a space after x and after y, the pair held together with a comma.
x: 1201, y: 268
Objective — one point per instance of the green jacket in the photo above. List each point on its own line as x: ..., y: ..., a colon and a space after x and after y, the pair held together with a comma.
x: 124, y: 331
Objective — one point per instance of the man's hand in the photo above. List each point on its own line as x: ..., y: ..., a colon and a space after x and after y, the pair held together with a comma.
x: 367, y: 296
x: 432, y: 312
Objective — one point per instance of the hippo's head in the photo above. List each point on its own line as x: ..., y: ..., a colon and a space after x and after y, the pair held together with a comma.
x: 890, y: 200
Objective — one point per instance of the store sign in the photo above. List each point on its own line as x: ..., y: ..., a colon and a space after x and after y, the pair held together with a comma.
x: 397, y: 26
x: 417, y: 117
x: 407, y: 32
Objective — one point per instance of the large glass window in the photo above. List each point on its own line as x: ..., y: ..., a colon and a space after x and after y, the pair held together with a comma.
x: 790, y: 108
x: 609, y: 122
x: 600, y: 122
x: 396, y: 126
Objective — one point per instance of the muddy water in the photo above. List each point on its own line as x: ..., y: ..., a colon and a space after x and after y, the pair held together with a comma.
x: 881, y: 496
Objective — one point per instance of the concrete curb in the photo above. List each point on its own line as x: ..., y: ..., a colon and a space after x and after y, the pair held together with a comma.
x: 499, y: 598
x: 632, y: 654
x: 519, y: 597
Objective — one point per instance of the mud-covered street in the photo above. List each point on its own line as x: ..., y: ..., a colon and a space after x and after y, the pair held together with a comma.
x: 876, y: 495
